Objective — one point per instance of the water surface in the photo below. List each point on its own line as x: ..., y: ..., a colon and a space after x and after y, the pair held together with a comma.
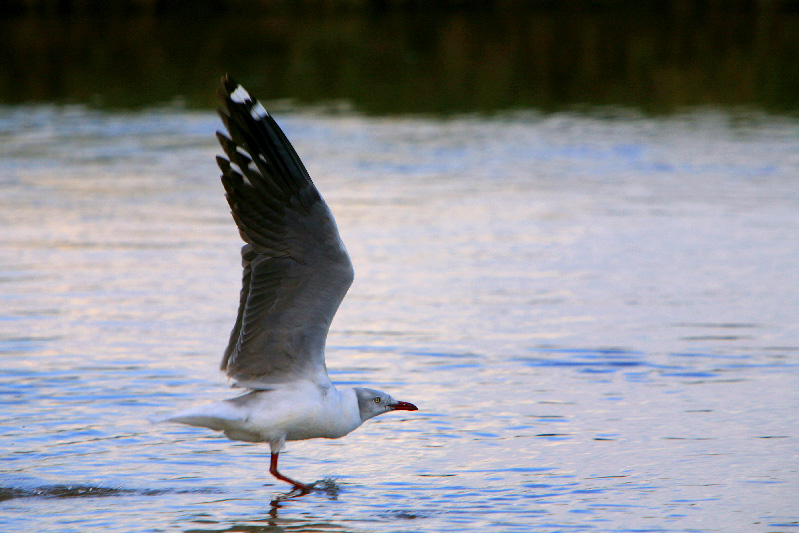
x: 595, y: 314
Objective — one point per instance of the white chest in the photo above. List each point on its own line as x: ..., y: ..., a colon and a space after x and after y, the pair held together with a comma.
x: 308, y: 413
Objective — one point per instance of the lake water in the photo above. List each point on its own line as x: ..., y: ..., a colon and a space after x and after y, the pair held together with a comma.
x: 597, y: 315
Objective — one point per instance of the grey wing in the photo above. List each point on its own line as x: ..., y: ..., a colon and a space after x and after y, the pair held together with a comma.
x: 296, y: 269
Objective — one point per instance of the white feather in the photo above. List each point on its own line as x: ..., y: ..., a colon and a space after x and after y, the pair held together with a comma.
x: 240, y: 95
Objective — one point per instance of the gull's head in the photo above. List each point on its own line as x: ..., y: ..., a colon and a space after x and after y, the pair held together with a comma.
x: 373, y: 402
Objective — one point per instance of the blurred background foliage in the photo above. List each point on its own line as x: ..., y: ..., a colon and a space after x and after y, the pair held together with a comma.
x: 395, y: 57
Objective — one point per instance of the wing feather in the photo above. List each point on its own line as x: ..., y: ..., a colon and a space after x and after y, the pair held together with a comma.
x: 296, y: 270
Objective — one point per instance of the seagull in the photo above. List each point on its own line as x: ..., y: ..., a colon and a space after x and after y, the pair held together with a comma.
x: 296, y: 273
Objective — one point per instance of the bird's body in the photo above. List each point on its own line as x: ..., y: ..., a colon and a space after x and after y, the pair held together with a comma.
x: 296, y: 273
x: 276, y: 416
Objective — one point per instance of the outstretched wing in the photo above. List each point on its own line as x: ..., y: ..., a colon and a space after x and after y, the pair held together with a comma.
x: 296, y: 269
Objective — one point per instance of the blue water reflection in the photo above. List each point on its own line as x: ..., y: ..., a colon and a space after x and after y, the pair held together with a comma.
x: 595, y: 316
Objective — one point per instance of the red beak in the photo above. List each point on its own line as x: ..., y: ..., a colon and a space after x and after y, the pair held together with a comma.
x: 404, y: 406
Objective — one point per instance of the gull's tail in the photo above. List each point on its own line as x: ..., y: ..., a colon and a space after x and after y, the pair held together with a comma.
x: 219, y: 416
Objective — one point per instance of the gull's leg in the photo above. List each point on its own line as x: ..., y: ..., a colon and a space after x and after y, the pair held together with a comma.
x: 273, y: 470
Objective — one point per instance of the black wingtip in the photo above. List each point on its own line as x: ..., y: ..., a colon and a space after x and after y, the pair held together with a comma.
x: 223, y: 164
x: 229, y: 84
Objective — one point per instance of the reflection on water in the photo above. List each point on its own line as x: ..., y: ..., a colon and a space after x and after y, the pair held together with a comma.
x: 595, y: 316
x: 414, y: 60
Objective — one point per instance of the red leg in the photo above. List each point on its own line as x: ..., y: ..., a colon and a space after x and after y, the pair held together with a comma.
x: 273, y: 470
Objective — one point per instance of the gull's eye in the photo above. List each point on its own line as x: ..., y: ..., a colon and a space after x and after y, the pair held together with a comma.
x: 377, y: 400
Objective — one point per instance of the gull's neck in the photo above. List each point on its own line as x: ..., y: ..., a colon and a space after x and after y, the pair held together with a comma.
x: 345, y: 403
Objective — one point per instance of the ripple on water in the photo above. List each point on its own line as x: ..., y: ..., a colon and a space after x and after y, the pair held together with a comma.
x: 87, y: 491
x: 596, y: 318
